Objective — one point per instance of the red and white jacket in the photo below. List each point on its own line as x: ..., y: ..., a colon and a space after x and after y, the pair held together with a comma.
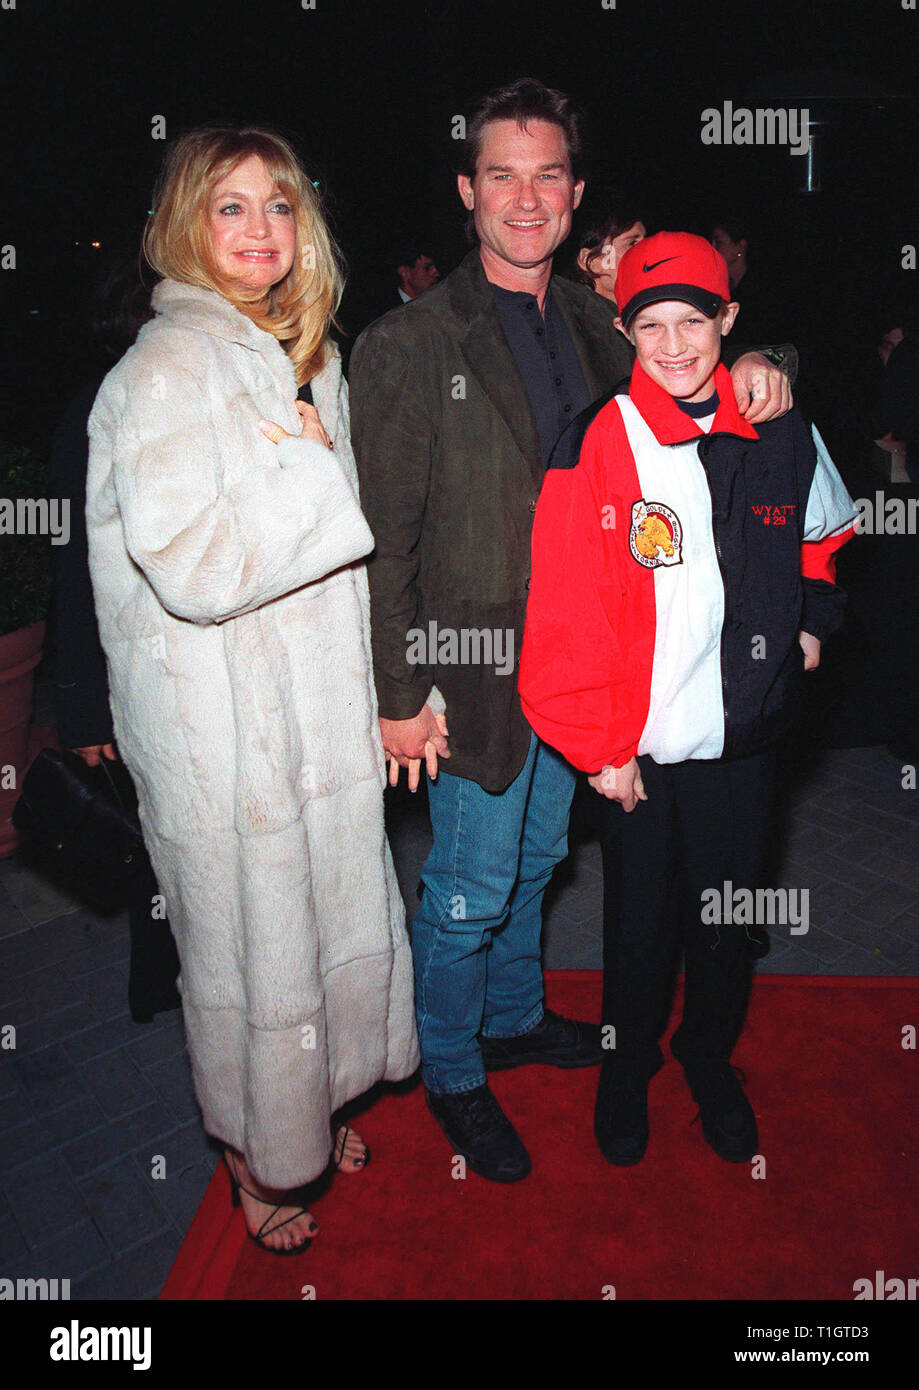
x: 671, y: 572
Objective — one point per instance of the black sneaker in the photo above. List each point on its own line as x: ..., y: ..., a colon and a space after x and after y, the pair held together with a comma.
x: 480, y: 1131
x: 554, y: 1042
x: 728, y: 1122
x: 621, y: 1113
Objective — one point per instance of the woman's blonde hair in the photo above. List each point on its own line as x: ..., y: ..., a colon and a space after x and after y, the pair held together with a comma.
x: 299, y: 309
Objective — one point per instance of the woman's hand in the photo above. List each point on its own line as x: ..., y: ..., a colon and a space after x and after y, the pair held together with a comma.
x: 407, y: 741
x: 430, y: 758
x: 93, y: 754
x: 621, y: 784
x: 311, y: 427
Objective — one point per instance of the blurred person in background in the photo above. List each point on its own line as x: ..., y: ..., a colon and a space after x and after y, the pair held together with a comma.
x: 899, y: 407
x: 730, y: 238
x: 865, y: 695
x: 84, y: 718
x: 416, y: 273
x: 606, y: 233
x: 764, y: 293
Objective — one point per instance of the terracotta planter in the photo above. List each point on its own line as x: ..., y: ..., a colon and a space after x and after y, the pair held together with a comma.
x: 20, y: 653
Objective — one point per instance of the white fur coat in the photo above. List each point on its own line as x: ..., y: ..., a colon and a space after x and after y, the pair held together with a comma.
x: 235, y: 624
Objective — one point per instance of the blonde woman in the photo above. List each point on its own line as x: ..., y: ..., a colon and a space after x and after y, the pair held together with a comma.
x: 225, y: 545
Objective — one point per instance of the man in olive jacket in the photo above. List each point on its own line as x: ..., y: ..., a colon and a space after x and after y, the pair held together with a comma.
x: 451, y: 504
x: 456, y: 401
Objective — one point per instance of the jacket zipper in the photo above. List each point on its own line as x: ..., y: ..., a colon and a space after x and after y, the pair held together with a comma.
x: 724, y: 683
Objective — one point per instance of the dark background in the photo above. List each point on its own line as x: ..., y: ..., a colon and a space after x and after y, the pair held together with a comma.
x: 367, y: 90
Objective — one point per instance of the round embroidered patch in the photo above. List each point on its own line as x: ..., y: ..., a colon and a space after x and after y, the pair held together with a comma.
x: 655, y: 535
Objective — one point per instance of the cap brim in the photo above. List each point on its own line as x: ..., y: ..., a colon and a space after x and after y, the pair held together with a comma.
x: 703, y: 300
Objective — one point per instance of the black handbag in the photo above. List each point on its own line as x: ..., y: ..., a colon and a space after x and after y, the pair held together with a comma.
x: 85, y: 818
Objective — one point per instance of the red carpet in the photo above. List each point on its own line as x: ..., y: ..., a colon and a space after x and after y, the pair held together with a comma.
x: 835, y: 1096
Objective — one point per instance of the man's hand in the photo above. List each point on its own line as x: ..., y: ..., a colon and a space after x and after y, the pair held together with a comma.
x: 93, y: 754
x: 762, y: 391
x: 621, y: 784
x: 407, y: 741
x: 810, y: 646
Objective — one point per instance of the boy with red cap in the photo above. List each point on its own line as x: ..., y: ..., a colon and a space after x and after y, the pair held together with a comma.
x: 683, y: 579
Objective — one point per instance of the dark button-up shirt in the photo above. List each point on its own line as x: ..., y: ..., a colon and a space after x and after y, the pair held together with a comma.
x: 547, y: 362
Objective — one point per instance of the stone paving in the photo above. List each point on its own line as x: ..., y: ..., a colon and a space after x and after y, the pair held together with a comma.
x: 102, y: 1158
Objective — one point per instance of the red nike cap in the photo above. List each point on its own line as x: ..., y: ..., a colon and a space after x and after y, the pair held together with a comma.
x: 671, y: 265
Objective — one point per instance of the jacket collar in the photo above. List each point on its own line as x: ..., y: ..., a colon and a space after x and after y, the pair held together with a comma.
x: 489, y: 357
x: 206, y: 311
x: 671, y: 425
x: 469, y: 290
x: 590, y: 320
x: 486, y: 350
x: 587, y: 315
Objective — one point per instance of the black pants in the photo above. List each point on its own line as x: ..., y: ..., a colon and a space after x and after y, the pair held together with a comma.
x: 703, y: 823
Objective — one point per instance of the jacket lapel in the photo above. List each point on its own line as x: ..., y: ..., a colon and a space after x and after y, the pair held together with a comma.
x: 604, y: 355
x: 491, y: 361
x: 583, y: 335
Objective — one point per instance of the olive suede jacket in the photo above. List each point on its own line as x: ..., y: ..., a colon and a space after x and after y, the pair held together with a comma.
x: 450, y: 471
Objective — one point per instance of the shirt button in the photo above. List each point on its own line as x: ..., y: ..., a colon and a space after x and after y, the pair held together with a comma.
x: 532, y: 504
x: 567, y: 408
x: 539, y: 332
x: 528, y: 581
x: 558, y: 381
x: 552, y: 355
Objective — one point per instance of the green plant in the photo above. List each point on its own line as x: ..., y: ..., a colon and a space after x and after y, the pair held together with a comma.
x: 25, y: 560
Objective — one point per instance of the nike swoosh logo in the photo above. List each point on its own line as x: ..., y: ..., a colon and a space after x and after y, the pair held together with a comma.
x: 655, y: 264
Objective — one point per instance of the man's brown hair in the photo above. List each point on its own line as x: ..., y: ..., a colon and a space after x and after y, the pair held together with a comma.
x: 524, y: 101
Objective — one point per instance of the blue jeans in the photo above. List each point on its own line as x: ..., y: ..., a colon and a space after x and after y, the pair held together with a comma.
x: 475, y: 940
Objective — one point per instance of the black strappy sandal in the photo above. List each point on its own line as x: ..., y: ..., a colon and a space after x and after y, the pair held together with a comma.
x: 338, y: 1149
x: 236, y: 1187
